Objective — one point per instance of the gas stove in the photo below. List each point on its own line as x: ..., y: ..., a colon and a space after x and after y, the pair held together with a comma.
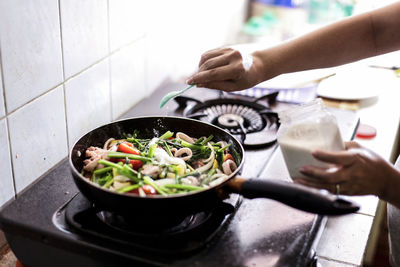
x: 52, y: 224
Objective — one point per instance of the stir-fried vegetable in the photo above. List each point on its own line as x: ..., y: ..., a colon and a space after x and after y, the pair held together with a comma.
x: 162, y: 165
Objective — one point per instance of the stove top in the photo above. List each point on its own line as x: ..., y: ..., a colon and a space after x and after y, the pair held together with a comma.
x: 52, y: 224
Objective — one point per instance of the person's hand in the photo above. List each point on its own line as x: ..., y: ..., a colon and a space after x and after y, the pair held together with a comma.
x: 356, y: 171
x: 228, y: 70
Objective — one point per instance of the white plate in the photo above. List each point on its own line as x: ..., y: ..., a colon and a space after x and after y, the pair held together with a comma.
x: 354, y: 83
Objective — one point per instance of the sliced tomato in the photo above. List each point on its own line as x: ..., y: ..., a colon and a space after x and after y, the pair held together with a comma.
x: 127, y: 147
x: 136, y: 164
x: 147, y: 189
x: 228, y: 156
x: 134, y: 191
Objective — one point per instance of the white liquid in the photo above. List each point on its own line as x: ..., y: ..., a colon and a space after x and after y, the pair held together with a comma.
x: 300, y: 140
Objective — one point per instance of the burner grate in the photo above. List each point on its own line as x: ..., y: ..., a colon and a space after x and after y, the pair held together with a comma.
x: 253, y: 123
x: 235, y: 117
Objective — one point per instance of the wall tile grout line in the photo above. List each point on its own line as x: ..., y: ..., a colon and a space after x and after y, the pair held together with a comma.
x: 7, y: 126
x: 75, y: 75
x: 337, y: 261
x: 109, y: 61
x: 63, y: 74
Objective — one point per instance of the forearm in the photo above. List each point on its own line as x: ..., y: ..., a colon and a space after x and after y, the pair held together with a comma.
x: 390, y: 192
x: 342, y: 42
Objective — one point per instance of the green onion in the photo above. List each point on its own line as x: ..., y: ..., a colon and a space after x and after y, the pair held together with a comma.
x: 219, y: 157
x: 198, y: 141
x: 123, y: 169
x: 208, y: 178
x: 134, y: 140
x: 149, y: 181
x: 110, y: 164
x: 166, y: 147
x: 166, y: 135
x: 152, y: 150
x: 225, y: 147
x: 184, y: 187
x: 128, y: 188
x: 207, y: 140
x: 236, y: 157
x: 130, y: 173
x: 189, y: 167
x: 109, y: 183
x: 102, y: 170
x: 126, y: 155
x: 194, y: 173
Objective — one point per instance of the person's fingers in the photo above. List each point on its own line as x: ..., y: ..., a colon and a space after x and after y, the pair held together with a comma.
x: 212, y: 53
x: 224, y: 73
x: 329, y: 176
x: 338, y: 188
x: 342, y: 157
x: 227, y: 86
x: 351, y: 144
x: 214, y: 62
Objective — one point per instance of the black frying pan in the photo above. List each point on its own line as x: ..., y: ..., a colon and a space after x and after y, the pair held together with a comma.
x: 159, y: 207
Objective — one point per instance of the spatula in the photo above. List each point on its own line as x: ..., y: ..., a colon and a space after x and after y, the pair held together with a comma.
x: 173, y: 94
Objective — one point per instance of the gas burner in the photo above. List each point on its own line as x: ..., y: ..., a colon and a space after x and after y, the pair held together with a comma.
x: 186, y: 236
x: 251, y: 122
x: 234, y: 118
x: 130, y: 226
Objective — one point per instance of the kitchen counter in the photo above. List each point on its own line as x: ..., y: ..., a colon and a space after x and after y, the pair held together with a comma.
x: 351, y: 240
x: 347, y: 240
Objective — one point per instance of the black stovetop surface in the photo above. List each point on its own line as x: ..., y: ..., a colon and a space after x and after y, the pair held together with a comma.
x: 261, y: 232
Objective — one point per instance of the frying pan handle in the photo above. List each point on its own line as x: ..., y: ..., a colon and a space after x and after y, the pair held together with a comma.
x: 294, y: 195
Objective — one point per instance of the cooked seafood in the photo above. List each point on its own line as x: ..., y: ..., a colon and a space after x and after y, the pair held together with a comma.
x: 160, y: 166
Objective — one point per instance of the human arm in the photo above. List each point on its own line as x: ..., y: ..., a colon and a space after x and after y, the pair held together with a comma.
x: 351, y: 39
x: 357, y: 171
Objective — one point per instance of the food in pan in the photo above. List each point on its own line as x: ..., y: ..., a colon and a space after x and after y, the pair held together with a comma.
x: 162, y: 165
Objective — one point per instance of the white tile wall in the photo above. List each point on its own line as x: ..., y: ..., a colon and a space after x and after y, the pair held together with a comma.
x: 84, y: 33
x: 128, y: 21
x: 88, y: 102
x: 113, y: 54
x: 128, y: 78
x: 6, y: 179
x: 2, y: 106
x: 30, y: 49
x: 38, y: 137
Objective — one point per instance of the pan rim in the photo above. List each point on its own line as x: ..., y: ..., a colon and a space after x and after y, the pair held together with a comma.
x: 215, y: 187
